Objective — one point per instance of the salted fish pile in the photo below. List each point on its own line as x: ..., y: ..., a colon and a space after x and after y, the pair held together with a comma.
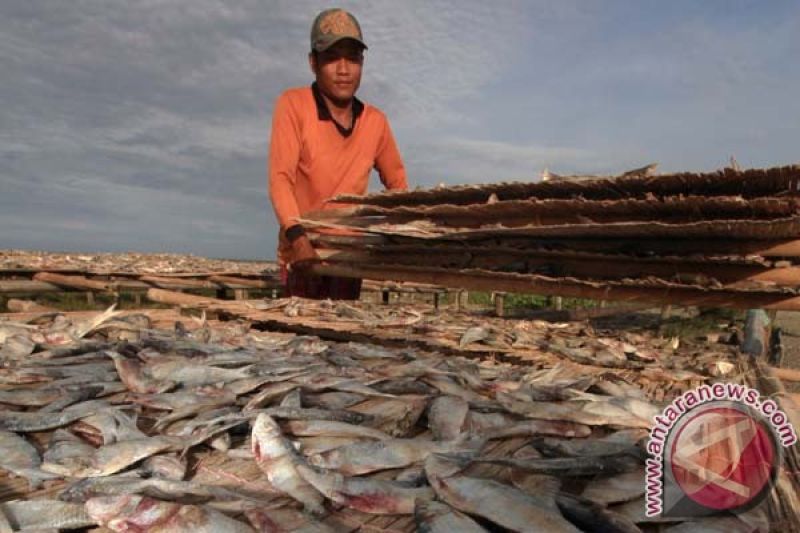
x: 130, y: 262
x: 113, y: 423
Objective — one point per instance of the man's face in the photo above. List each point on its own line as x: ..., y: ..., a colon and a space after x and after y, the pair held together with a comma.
x: 338, y: 70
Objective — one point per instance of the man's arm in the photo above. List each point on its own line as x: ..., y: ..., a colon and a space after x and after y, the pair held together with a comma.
x: 284, y: 155
x: 389, y: 163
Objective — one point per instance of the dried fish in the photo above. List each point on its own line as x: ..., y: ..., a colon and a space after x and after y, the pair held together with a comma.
x: 474, y: 334
x: 532, y: 428
x: 133, y: 375
x: 617, y: 442
x: 616, y: 489
x: 140, y: 513
x: 446, y: 415
x: 349, y: 423
x: 111, y: 458
x: 281, y: 463
x: 45, y: 514
x: 164, y: 489
x: 435, y: 517
x: 19, y: 457
x: 365, y: 457
x: 283, y: 519
x: 502, y: 504
x: 32, y: 421
x: 594, y: 517
x: 327, y: 428
x: 370, y: 496
x: 574, y: 466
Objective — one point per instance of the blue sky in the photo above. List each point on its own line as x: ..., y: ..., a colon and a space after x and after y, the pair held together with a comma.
x: 144, y: 125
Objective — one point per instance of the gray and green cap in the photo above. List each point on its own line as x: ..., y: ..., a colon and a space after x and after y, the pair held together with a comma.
x: 333, y: 25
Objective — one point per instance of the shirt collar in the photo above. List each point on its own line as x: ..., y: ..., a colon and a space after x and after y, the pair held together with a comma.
x: 323, y: 113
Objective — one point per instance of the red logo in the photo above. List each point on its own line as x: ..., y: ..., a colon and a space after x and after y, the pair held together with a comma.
x: 723, y: 457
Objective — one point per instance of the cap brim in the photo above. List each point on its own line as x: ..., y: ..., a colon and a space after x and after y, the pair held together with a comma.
x: 324, y: 44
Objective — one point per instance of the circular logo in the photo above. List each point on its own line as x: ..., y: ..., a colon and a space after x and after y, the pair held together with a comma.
x: 723, y: 457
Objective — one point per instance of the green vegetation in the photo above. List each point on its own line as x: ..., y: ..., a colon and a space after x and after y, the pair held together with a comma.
x: 530, y: 301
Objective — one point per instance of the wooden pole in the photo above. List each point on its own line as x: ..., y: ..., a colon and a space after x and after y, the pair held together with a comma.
x: 785, y: 374
x: 27, y: 306
x: 463, y: 299
x: 179, y: 298
x: 74, y: 282
x: 231, y: 281
x: 23, y: 286
x: 178, y: 283
x: 499, y: 304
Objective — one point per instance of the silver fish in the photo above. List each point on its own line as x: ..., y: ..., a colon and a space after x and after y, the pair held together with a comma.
x: 532, y: 428
x: 268, y: 394
x: 365, y: 457
x: 616, y: 489
x: 594, y: 517
x: 193, y: 375
x: 333, y: 400
x: 20, y: 458
x: 164, y: 466
x: 574, y: 466
x: 617, y: 442
x: 446, y: 415
x: 284, y: 520
x: 474, y: 334
x: 277, y: 458
x: 327, y: 428
x: 166, y: 489
x: 112, y: 458
x: 132, y: 373
x: 143, y: 514
x: 370, y: 496
x: 30, y: 422
x: 435, y: 517
x: 44, y: 514
x: 502, y: 504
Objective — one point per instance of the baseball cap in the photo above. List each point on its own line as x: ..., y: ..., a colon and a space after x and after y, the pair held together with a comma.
x: 333, y: 25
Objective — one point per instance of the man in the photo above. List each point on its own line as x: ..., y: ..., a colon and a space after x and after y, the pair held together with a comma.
x: 325, y: 142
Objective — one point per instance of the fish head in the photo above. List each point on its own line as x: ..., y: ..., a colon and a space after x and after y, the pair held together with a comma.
x: 265, y: 431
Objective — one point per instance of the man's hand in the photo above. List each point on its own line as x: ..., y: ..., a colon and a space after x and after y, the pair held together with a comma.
x: 302, y: 252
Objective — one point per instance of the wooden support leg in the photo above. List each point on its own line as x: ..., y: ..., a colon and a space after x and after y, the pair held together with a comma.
x: 274, y: 293
x: 499, y: 304
x: 666, y: 311
x: 137, y: 299
x: 90, y: 298
x: 240, y: 294
x: 463, y: 299
x: 757, y: 332
x: 558, y: 303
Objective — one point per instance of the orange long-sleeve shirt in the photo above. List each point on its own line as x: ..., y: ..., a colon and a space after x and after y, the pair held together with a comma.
x: 312, y: 159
